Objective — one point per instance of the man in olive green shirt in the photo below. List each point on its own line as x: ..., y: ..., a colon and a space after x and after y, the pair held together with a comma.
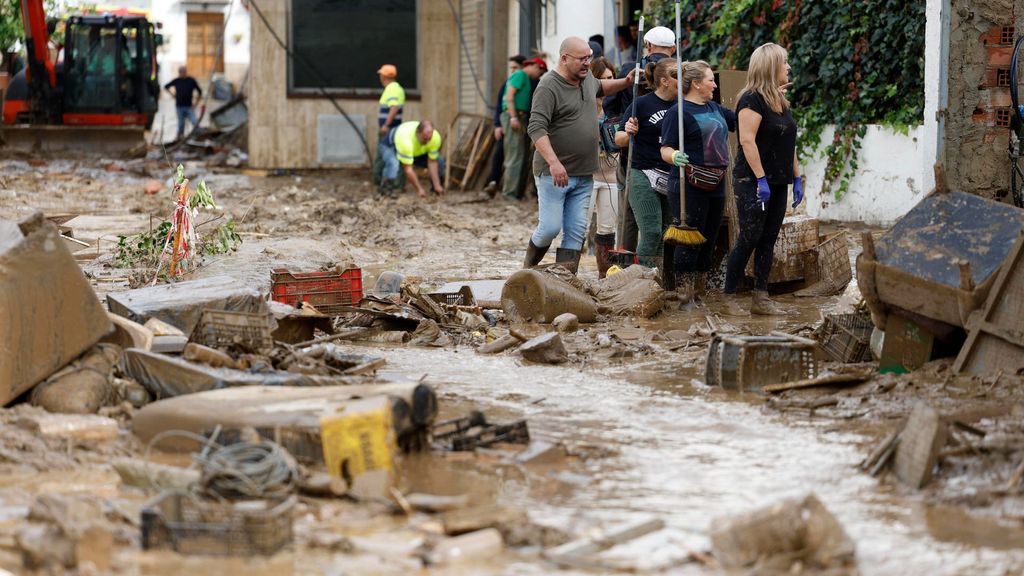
x: 563, y: 127
x: 515, y: 116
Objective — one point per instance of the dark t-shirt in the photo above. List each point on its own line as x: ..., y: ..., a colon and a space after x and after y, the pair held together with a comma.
x: 617, y: 103
x: 650, y: 111
x: 776, y: 141
x: 706, y: 143
x: 183, y: 88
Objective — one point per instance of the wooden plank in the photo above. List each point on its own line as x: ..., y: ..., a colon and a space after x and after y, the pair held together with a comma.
x: 834, y: 380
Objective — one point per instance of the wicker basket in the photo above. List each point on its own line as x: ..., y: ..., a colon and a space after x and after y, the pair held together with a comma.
x: 846, y: 337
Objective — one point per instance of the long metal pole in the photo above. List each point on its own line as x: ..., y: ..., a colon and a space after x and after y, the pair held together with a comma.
x: 619, y: 241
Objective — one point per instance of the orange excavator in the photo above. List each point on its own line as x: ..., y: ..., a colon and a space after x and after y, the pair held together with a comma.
x: 102, y: 94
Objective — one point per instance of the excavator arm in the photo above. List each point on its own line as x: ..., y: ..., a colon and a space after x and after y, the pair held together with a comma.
x: 40, y: 71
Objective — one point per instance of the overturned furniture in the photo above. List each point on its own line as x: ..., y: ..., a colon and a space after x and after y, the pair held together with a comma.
x: 939, y: 262
x: 995, y: 340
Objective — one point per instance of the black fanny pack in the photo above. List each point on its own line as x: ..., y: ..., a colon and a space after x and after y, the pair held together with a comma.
x: 704, y: 178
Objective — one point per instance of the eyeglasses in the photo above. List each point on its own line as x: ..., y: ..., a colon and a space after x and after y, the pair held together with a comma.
x: 582, y: 59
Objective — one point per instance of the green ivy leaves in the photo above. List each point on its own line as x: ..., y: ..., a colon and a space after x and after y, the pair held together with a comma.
x: 854, y: 63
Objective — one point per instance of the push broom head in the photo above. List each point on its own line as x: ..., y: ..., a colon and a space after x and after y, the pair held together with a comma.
x: 683, y: 236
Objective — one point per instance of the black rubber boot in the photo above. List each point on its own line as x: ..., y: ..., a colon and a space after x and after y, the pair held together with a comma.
x: 534, y: 254
x: 570, y: 259
x: 603, y: 243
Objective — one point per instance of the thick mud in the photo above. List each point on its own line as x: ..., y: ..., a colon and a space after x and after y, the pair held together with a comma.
x: 644, y: 436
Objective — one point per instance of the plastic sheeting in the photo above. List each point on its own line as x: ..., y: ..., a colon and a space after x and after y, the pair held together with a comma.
x: 181, y: 304
x: 169, y: 376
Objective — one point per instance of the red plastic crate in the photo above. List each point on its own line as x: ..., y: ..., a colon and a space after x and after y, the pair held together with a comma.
x: 327, y: 291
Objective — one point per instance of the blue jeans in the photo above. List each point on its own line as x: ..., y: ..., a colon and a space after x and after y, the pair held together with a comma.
x: 387, y: 153
x: 185, y: 113
x: 562, y: 210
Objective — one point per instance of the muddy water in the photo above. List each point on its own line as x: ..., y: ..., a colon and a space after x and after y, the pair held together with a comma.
x: 686, y: 454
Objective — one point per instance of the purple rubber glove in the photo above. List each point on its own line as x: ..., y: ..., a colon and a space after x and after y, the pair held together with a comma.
x: 798, y: 191
x: 763, y: 191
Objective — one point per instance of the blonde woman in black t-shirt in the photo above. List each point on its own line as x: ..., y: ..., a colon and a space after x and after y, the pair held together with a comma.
x: 766, y: 165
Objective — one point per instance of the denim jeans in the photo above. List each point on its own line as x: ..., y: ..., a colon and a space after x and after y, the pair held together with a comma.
x: 386, y: 151
x: 185, y: 113
x: 562, y: 210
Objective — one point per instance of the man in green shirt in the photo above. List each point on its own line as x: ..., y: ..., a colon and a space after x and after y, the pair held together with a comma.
x: 515, y: 117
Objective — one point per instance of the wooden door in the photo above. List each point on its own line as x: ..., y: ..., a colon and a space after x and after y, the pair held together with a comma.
x: 205, y: 45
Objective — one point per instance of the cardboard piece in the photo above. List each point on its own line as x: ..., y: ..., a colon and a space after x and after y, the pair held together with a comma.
x: 49, y: 314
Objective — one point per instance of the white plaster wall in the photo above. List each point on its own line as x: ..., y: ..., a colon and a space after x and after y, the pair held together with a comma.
x: 891, y: 178
x: 582, y: 18
x: 172, y: 14
x: 895, y: 170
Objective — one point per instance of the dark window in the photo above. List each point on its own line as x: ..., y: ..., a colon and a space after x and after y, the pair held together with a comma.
x: 1002, y: 77
x: 1003, y: 117
x: 1006, y: 35
x: 347, y: 41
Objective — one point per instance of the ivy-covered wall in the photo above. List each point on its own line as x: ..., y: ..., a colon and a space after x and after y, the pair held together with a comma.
x: 854, y: 62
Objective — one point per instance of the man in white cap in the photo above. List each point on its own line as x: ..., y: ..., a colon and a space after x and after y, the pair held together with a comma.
x: 659, y: 42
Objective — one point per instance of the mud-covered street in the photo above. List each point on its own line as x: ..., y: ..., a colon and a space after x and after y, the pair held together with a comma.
x: 640, y: 435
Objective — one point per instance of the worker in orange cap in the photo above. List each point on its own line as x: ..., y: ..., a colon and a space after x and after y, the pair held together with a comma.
x: 389, y: 116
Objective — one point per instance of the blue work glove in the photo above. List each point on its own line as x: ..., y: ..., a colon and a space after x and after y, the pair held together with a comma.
x: 679, y: 158
x: 763, y: 191
x: 798, y: 191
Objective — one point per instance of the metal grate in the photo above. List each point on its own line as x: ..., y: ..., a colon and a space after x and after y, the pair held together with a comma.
x: 1003, y: 117
x: 1003, y: 77
x: 1007, y: 35
x: 337, y: 142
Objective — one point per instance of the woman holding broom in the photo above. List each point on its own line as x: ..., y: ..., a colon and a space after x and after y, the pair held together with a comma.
x: 706, y: 145
x: 649, y: 173
x: 765, y: 167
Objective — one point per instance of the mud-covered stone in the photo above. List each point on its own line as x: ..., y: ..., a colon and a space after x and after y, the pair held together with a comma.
x: 566, y: 323
x: 790, y: 531
x: 546, y: 349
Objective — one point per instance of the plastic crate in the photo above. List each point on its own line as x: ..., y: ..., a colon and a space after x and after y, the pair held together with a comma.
x: 746, y: 363
x: 846, y: 337
x: 248, y: 331
x: 189, y: 524
x: 329, y: 292
x: 464, y: 297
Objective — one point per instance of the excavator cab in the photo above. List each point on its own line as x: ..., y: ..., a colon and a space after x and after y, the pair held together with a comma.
x: 109, y: 71
x: 108, y: 77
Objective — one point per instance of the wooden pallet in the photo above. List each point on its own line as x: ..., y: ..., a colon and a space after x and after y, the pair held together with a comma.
x: 995, y: 340
x: 466, y: 151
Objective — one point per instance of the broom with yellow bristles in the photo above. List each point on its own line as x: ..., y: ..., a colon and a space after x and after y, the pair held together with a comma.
x: 681, y: 234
